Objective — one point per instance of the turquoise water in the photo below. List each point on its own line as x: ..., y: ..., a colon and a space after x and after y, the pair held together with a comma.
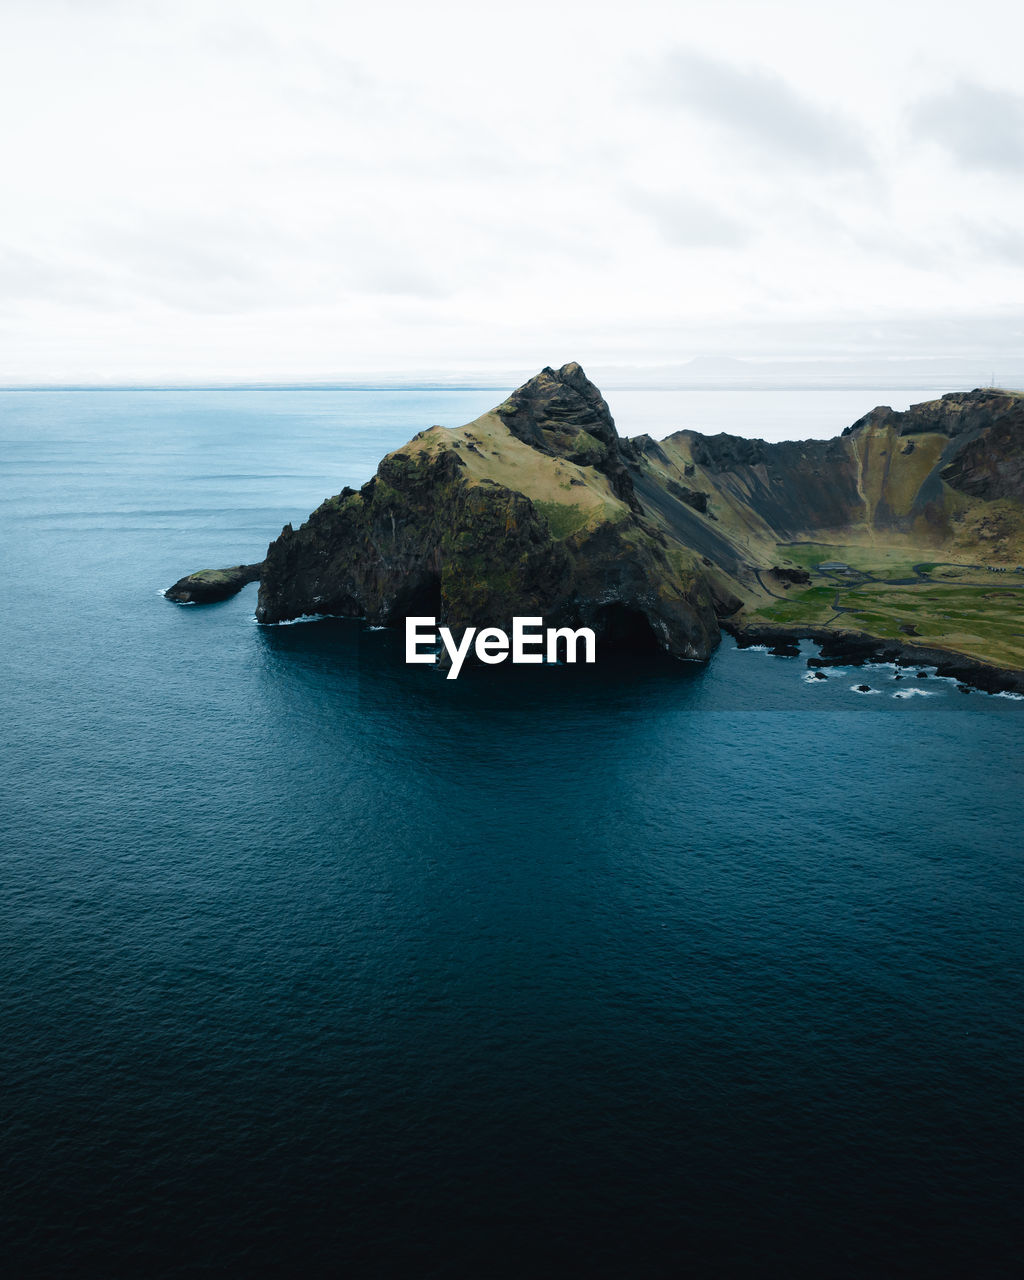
x: 313, y: 963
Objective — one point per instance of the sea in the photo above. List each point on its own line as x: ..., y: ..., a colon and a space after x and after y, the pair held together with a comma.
x: 316, y: 964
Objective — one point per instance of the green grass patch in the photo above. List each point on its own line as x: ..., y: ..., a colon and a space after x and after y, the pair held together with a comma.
x: 971, y: 619
x: 883, y: 562
x: 980, y: 620
x: 813, y: 606
x: 562, y: 518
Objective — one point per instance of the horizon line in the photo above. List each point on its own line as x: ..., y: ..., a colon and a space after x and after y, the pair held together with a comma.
x: 835, y: 382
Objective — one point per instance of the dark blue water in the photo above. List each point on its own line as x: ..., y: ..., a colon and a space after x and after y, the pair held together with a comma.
x: 313, y: 963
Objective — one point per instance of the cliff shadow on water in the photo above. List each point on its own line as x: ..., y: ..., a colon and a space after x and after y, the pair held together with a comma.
x: 318, y: 672
x: 336, y: 660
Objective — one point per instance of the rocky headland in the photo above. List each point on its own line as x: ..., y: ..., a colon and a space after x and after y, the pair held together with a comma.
x: 885, y: 540
x: 530, y: 510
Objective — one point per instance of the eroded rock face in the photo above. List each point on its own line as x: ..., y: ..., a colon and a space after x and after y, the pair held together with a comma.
x: 416, y: 539
x: 564, y: 414
x: 892, y: 472
x: 991, y: 464
x: 954, y: 414
x: 790, y: 485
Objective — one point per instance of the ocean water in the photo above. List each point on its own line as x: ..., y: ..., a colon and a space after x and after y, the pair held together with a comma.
x: 312, y: 963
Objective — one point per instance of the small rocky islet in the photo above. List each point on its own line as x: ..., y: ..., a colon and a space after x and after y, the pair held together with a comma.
x: 208, y: 586
x: 900, y: 540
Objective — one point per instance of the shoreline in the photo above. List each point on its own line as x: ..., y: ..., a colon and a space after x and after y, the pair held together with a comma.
x: 850, y: 647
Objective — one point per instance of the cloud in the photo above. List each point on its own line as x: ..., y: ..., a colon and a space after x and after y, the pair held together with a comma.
x: 27, y: 276
x: 248, y: 187
x: 226, y: 264
x: 689, y: 222
x: 1004, y: 244
x: 761, y: 107
x: 981, y: 128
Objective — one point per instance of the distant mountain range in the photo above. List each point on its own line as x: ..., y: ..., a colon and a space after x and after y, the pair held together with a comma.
x: 718, y: 371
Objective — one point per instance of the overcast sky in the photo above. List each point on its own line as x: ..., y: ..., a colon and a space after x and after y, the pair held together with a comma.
x: 289, y: 190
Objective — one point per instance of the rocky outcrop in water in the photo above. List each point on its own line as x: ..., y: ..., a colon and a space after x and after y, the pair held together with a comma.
x: 210, y: 585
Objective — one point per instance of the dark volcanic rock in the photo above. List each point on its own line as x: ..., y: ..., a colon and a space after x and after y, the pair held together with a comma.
x: 793, y: 576
x: 210, y: 585
x: 643, y: 446
x: 954, y: 414
x: 991, y: 465
x: 562, y: 412
x: 417, y: 539
x: 695, y: 498
x: 784, y: 482
x: 854, y: 648
x: 723, y: 452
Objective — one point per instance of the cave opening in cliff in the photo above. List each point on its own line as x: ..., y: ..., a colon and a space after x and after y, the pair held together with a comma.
x: 420, y: 597
x: 621, y: 628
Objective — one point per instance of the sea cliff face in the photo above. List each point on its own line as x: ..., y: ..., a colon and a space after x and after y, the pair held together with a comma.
x: 539, y: 508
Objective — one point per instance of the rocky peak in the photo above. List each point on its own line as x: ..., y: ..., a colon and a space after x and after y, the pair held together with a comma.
x: 555, y: 403
x: 723, y: 452
x: 561, y: 412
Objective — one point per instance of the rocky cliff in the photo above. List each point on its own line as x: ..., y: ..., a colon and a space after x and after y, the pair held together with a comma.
x: 529, y: 510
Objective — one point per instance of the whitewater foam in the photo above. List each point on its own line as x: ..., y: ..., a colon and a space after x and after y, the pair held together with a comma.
x: 294, y: 622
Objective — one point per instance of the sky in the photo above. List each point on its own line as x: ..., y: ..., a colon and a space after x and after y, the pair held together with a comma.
x: 271, y: 191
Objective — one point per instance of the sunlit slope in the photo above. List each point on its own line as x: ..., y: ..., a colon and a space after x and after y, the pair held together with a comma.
x: 572, y: 497
x: 882, y: 479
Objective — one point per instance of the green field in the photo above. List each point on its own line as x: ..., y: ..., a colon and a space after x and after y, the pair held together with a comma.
x: 881, y: 561
x: 982, y: 618
x: 813, y: 607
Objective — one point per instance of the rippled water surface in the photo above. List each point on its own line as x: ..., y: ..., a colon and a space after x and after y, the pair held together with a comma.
x: 313, y: 963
